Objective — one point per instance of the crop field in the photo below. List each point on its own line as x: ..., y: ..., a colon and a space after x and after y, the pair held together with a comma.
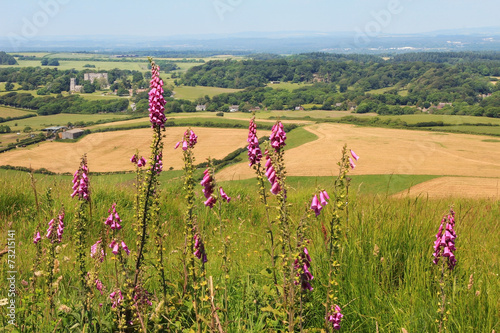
x: 388, y: 151
x: 111, y: 151
x: 448, y: 187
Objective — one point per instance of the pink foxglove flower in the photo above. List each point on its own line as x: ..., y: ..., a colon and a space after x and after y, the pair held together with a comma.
x: 317, y: 205
x: 444, y: 245
x: 351, y: 163
x: 303, y: 265
x: 199, y: 249
x: 223, y: 195
x: 156, y: 99
x: 208, y: 189
x: 353, y: 154
x: 254, y: 152
x: 335, y: 317
x: 116, y: 297
x: 50, y: 229
x: 93, y: 251
x: 141, y: 296
x: 60, y: 227
x: 125, y: 248
x: 81, y: 181
x: 134, y: 159
x: 114, y: 246
x: 141, y: 162
x: 37, y: 237
x: 278, y: 136
x: 271, y: 175
x: 99, y: 286
x: 189, y: 140
x: 113, y: 220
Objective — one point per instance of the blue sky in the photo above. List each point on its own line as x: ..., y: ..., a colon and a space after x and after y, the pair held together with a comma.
x: 181, y: 17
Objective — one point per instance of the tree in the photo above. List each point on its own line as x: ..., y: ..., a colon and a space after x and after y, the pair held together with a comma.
x: 53, y: 62
x: 88, y: 88
x: 9, y: 86
x: 44, y: 61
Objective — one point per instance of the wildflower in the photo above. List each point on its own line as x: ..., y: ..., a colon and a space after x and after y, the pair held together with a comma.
x: 199, y: 248
x: 224, y: 195
x: 114, y: 246
x: 156, y: 99
x: 93, y: 251
x: 189, y: 140
x: 278, y: 136
x: 99, y: 286
x: 37, y: 237
x: 81, y: 181
x: 302, y: 265
x: 351, y: 163
x: 316, y: 205
x: 271, y: 175
x: 141, y: 162
x: 353, y: 154
x: 116, y: 297
x: 125, y: 248
x: 254, y: 152
x: 50, y: 229
x: 113, y: 219
x: 141, y: 296
x: 444, y: 245
x: 335, y: 317
x: 208, y: 190
x: 158, y: 166
x: 60, y: 227
x: 134, y: 159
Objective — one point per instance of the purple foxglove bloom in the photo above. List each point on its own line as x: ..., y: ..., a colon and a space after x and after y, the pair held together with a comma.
x: 60, y: 227
x: 184, y: 145
x: 322, y: 199
x: 142, y: 162
x: 125, y: 248
x: 254, y: 152
x: 351, y: 163
x: 276, y: 188
x: 37, y: 237
x: 116, y: 297
x: 353, y: 154
x: 50, y: 229
x: 224, y: 195
x: 99, y: 286
x: 335, y: 317
x: 156, y: 100
x: 81, y: 182
x: 177, y: 145
x: 134, y: 159
x: 314, y: 203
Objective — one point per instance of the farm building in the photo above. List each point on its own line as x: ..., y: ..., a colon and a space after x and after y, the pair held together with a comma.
x: 72, y: 134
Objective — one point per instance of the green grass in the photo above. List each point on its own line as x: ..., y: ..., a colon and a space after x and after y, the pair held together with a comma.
x: 483, y: 130
x: 11, y: 112
x: 40, y: 122
x: 192, y: 93
x: 386, y: 277
x: 288, y: 85
x: 447, y: 119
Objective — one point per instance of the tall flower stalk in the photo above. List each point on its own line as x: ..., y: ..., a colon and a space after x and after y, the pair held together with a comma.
x: 81, y: 190
x: 148, y: 189
x: 333, y: 244
x: 255, y: 157
x: 444, y: 247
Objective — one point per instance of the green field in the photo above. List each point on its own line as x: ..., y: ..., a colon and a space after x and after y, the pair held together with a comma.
x: 11, y: 112
x: 447, y: 119
x: 288, y: 85
x: 40, y: 122
x: 192, y: 93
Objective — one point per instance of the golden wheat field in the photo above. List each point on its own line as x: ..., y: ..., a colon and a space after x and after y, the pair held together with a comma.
x: 393, y: 151
x: 111, y: 151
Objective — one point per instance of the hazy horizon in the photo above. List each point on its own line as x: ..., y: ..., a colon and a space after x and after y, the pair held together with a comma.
x: 39, y: 18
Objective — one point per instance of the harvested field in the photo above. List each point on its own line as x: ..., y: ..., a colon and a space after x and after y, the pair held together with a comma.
x: 387, y: 151
x: 111, y: 151
x: 449, y: 187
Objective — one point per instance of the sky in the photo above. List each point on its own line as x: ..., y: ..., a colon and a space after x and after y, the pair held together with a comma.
x: 163, y: 18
